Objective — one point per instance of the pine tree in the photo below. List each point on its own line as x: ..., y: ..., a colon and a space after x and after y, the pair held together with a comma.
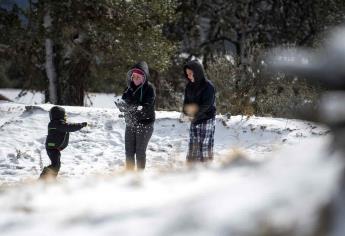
x: 90, y: 45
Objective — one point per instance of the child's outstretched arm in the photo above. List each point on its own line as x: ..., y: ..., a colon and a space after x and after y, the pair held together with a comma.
x: 70, y: 127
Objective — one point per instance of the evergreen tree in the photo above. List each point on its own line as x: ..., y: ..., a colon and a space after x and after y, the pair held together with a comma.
x: 89, y: 45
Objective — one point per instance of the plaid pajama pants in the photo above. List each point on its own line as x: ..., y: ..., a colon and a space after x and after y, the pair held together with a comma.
x: 201, y: 141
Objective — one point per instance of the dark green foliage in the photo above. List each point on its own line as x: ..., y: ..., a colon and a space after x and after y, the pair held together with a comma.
x: 244, y: 30
x: 96, y: 41
x: 249, y: 91
x: 20, y: 53
x: 210, y: 28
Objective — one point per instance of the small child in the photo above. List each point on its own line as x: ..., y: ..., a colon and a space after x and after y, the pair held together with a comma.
x: 57, y: 139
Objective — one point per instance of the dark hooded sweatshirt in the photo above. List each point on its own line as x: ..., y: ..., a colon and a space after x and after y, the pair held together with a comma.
x: 142, y: 95
x: 58, y: 129
x: 200, y: 92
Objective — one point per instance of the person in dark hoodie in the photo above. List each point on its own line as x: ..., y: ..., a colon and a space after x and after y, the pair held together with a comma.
x: 199, y: 105
x: 57, y: 139
x: 138, y: 107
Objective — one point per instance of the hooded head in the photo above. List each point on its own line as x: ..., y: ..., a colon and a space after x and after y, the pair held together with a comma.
x: 198, y: 72
x: 57, y: 113
x: 139, y: 69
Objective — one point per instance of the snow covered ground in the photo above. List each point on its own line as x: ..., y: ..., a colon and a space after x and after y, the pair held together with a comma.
x: 100, y: 100
x: 269, y: 175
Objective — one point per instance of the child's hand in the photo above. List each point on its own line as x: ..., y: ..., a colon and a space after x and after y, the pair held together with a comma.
x: 84, y: 124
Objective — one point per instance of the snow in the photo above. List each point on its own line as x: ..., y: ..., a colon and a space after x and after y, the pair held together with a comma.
x: 100, y: 100
x: 268, y: 174
x: 27, y: 98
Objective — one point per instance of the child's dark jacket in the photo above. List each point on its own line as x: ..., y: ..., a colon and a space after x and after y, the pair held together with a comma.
x: 58, y: 129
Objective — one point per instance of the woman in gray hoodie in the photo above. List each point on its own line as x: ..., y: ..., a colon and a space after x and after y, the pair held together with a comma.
x: 138, y: 107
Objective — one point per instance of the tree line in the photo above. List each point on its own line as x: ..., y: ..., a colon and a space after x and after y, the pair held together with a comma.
x: 68, y: 48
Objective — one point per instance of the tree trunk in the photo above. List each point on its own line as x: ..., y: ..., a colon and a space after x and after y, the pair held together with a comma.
x: 49, y: 61
x: 74, y: 74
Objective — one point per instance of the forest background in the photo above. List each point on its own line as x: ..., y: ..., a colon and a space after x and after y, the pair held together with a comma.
x: 70, y: 48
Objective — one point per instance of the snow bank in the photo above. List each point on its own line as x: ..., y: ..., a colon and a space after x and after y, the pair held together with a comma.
x: 269, y: 175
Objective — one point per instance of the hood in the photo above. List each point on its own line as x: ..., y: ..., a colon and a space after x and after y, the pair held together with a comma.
x: 198, y: 70
x: 57, y: 113
x: 142, y: 65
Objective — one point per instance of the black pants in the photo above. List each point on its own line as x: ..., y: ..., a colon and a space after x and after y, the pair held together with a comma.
x: 53, y: 169
x: 136, y: 141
